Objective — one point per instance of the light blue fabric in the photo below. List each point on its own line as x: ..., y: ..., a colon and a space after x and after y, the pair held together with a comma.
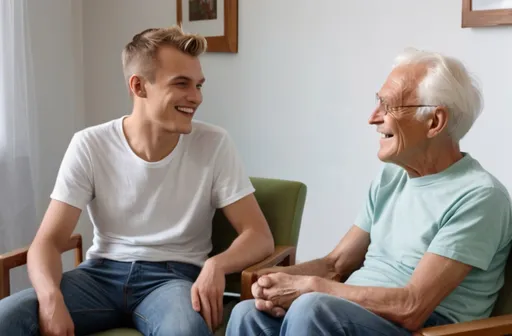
x: 316, y: 314
x: 463, y: 213
x: 101, y: 294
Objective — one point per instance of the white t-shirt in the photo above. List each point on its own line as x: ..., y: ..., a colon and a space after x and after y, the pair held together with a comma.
x: 152, y: 211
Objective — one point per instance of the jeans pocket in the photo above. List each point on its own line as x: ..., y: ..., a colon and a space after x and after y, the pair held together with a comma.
x: 183, y: 270
x: 92, y: 262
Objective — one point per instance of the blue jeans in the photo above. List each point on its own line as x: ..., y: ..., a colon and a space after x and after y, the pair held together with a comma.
x: 316, y: 314
x: 101, y: 294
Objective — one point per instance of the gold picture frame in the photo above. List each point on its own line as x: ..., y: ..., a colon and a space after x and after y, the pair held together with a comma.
x: 217, y: 20
x: 485, y: 13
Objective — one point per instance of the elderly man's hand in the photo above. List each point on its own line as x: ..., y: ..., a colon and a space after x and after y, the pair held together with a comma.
x: 274, y: 293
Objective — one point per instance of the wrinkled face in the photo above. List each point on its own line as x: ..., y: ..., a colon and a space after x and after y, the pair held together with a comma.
x: 403, y: 134
x: 172, y: 99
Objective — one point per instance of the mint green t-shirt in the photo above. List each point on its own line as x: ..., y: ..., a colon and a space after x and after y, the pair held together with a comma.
x: 462, y: 213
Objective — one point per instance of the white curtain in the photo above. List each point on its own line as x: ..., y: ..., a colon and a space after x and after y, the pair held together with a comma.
x: 18, y: 134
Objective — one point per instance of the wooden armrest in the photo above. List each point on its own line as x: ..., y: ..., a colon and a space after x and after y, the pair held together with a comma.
x: 494, y: 326
x: 18, y: 257
x: 283, y: 256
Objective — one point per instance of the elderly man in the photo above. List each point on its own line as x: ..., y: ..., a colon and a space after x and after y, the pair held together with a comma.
x: 431, y: 243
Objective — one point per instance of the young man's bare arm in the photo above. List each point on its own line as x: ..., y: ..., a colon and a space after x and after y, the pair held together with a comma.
x: 348, y: 255
x: 44, y: 255
x: 254, y: 241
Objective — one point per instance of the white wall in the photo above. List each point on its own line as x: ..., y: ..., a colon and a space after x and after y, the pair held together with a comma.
x: 108, y: 25
x: 56, y: 36
x: 56, y: 45
x: 55, y: 29
x: 297, y: 96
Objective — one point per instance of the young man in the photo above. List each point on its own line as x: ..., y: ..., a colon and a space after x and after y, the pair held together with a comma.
x: 431, y: 243
x: 151, y: 181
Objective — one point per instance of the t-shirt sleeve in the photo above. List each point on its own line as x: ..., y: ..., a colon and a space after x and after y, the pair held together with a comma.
x: 230, y: 181
x: 476, y: 229
x: 364, y: 219
x: 74, y: 183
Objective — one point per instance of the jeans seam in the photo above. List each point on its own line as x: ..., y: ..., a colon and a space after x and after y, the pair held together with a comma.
x: 125, y: 286
x: 33, y: 329
x: 362, y: 326
x: 264, y: 332
x: 91, y: 310
x: 339, y: 325
x: 145, y: 320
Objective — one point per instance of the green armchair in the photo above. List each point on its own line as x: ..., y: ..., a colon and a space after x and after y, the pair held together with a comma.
x: 282, y: 203
x: 498, y: 324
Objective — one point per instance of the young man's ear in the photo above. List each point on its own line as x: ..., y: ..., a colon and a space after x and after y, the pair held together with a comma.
x: 438, y: 121
x: 136, y: 84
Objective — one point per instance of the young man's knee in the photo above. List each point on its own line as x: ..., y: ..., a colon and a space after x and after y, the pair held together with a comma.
x: 19, y: 314
x: 184, y: 323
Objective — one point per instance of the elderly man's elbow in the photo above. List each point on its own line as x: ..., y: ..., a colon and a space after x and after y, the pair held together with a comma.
x: 413, y: 318
x: 412, y: 312
x: 408, y: 319
x: 413, y: 324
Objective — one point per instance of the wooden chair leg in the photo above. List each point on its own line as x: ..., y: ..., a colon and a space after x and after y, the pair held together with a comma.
x: 79, y: 258
x: 5, y: 283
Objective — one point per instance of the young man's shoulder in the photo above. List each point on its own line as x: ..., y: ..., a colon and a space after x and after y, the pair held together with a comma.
x: 207, y: 133
x: 204, y: 128
x: 98, y: 135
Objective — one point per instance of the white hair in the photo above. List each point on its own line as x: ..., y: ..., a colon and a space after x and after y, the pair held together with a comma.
x: 448, y: 84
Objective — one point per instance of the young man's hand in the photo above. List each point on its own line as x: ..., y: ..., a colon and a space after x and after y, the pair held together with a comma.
x: 54, y: 317
x: 208, y: 292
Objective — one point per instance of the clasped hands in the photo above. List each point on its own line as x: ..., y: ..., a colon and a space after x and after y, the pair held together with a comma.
x: 275, y: 292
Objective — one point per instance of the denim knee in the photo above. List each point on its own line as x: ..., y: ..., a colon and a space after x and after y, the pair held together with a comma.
x: 244, y: 309
x: 309, y: 305
x: 19, y: 314
x: 181, y: 323
x: 243, y: 316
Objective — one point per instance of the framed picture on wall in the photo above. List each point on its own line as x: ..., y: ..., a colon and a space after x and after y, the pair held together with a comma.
x: 217, y: 20
x: 485, y: 13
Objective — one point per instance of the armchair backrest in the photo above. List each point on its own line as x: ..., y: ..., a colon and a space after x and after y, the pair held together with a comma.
x: 282, y: 203
x: 503, y: 305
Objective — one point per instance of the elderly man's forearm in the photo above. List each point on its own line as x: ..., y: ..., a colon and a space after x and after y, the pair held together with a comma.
x: 321, y: 267
x: 247, y: 249
x: 395, y: 304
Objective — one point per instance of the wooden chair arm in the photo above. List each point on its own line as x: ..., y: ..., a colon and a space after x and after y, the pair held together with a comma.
x: 282, y: 256
x: 494, y: 326
x: 18, y: 257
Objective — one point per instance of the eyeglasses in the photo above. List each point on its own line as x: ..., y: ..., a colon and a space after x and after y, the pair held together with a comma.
x: 388, y: 108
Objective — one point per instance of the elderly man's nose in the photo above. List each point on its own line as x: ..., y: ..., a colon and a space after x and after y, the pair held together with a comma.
x: 376, y: 117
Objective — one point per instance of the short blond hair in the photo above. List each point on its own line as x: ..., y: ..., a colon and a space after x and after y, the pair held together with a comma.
x: 139, y: 56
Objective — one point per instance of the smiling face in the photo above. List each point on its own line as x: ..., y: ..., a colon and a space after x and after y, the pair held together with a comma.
x: 404, y: 135
x: 172, y: 98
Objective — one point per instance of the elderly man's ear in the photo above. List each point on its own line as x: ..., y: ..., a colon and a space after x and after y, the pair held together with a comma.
x: 437, y: 122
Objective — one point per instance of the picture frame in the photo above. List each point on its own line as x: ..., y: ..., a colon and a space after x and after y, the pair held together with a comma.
x: 486, y: 13
x: 216, y: 20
